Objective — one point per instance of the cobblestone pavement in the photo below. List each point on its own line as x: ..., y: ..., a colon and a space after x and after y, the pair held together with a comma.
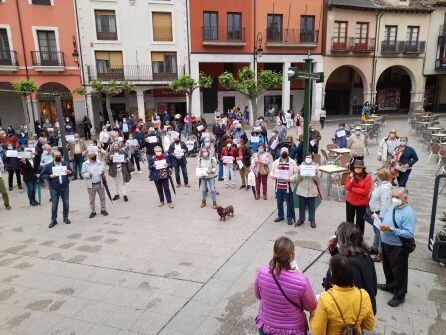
x: 151, y: 270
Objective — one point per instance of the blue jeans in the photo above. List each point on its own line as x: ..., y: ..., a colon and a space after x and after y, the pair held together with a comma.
x: 162, y: 187
x: 377, y: 238
x: 220, y: 170
x: 77, y: 165
x: 31, y: 187
x: 180, y: 164
x: 55, y: 195
x: 283, y: 195
x: 403, y: 178
x: 208, y: 184
x: 303, y: 204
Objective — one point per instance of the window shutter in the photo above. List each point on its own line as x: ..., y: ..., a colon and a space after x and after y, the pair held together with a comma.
x: 162, y: 26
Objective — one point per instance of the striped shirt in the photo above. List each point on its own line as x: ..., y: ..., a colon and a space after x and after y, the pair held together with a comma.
x: 284, y: 166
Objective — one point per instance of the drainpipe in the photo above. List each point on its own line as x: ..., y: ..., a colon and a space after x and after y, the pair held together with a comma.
x: 375, y: 57
x: 81, y: 63
x: 188, y: 35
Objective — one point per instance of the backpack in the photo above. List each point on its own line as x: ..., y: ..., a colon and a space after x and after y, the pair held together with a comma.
x: 349, y: 329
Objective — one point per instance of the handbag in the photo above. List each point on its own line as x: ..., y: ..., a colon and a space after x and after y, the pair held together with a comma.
x: 264, y: 170
x: 408, y: 243
x: 130, y: 167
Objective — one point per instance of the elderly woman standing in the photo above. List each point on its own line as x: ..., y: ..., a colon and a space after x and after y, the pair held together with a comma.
x: 284, y: 292
x: 160, y: 173
x: 118, y: 171
x: 260, y: 167
x: 208, y: 162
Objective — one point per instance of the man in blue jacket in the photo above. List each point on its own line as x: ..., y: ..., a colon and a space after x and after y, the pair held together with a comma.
x: 178, y: 151
x: 59, y: 186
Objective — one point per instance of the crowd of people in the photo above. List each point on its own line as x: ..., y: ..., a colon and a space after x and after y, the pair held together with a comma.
x: 230, y: 149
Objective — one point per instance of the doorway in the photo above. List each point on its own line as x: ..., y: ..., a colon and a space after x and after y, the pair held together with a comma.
x: 228, y: 104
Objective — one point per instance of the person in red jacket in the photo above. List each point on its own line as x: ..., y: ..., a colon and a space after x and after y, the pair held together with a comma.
x: 228, y: 163
x: 358, y: 186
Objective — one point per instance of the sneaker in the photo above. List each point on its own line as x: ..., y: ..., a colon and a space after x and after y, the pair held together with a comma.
x: 116, y: 197
x: 33, y: 203
x: 125, y: 198
x: 248, y: 188
x: 52, y: 224
x: 10, y: 189
x: 395, y: 301
x: 104, y: 212
x: 8, y: 207
x: 92, y: 215
x: 139, y: 171
x: 265, y: 197
x: 66, y: 221
x: 178, y: 185
x: 226, y: 186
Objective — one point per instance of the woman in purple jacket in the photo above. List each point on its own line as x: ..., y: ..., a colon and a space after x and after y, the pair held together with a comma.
x: 284, y: 292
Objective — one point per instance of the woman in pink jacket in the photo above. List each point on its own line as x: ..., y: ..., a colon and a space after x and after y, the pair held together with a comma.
x: 284, y: 292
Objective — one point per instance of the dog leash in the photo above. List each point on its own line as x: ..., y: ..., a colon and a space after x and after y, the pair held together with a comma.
x: 315, y: 260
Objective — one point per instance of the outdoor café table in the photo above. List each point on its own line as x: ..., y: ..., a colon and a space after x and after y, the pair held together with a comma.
x: 425, y: 123
x: 425, y: 117
x: 367, y: 125
x: 434, y: 129
x: 331, y: 170
x: 441, y: 136
x: 340, y: 151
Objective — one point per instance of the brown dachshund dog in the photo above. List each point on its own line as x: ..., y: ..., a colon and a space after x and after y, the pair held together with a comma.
x: 224, y: 212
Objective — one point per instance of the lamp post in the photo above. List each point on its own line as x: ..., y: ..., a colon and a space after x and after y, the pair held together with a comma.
x: 258, y: 51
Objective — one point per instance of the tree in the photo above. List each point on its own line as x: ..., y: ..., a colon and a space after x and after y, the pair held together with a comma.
x: 187, y: 85
x: 25, y: 88
x: 247, y: 84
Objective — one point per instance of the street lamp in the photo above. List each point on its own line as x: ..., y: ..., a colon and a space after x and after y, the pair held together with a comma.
x: 75, y: 53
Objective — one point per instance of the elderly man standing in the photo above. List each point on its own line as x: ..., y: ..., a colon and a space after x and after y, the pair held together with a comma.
x: 356, y: 144
x: 92, y: 171
x: 76, y: 150
x: 3, y: 191
x: 178, y: 151
x: 56, y: 173
x: 398, y: 226
x: 387, y: 147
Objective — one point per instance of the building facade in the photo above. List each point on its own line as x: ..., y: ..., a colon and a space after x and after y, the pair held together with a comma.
x: 227, y: 36
x: 38, y: 41
x: 144, y: 42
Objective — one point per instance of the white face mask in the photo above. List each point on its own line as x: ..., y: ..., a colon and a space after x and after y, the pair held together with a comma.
x: 205, y: 154
x: 397, y: 202
x: 308, y: 160
x: 228, y: 145
x: 403, y: 143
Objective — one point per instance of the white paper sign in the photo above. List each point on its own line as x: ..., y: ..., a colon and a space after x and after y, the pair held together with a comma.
x: 60, y: 170
x: 50, y: 129
x: 118, y: 158
x: 119, y: 139
x: 178, y: 116
x: 92, y: 148
x: 161, y: 164
x: 240, y: 164
x: 205, y: 135
x: 200, y: 127
x: 201, y: 172
x: 236, y: 141
x: 24, y: 154
x: 30, y: 149
x: 228, y: 159
x: 282, y: 174
x: 132, y: 142
x: 341, y: 133
x: 377, y: 222
x: 152, y: 139
x: 313, y: 143
x: 255, y: 139
x: 307, y: 170
x: 178, y: 153
x: 274, y: 144
x: 69, y: 138
x: 11, y: 153
x: 190, y: 145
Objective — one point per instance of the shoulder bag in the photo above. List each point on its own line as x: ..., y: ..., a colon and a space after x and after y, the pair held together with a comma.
x: 408, y: 243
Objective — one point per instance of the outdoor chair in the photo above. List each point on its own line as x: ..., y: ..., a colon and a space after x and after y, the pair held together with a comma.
x: 435, y: 152
x: 442, y: 154
x: 426, y: 139
x: 328, y: 158
x: 317, y: 159
x: 373, y: 134
x: 344, y: 160
x: 331, y: 146
x: 338, y: 181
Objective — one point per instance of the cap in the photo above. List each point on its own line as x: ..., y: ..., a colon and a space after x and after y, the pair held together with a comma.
x: 284, y: 149
x: 359, y: 164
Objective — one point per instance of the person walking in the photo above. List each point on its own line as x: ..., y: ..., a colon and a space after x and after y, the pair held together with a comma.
x: 178, y: 151
x: 124, y: 127
x: 3, y: 191
x: 322, y: 117
x: 93, y: 171
x: 404, y: 158
x: 380, y: 200
x: 284, y: 293
x: 228, y: 164
x: 282, y: 172
x: 29, y: 172
x: 76, y: 152
x: 12, y: 165
x: 160, y: 173
x: 208, y: 162
x: 358, y: 186
x: 315, y: 137
x: 59, y: 186
x: 243, y: 160
x: 344, y: 305
x: 387, y: 147
x: 356, y: 144
x: 132, y: 147
x: 260, y: 167
x: 118, y: 170
x: 307, y: 189
x: 349, y: 242
x: 397, y: 233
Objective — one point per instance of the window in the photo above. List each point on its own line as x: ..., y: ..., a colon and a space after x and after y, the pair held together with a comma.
x: 162, y: 27
x: 164, y: 65
x: 390, y: 35
x: 412, y: 34
x: 210, y: 26
x: 48, y: 52
x: 274, y: 27
x: 5, y: 53
x: 109, y: 65
x: 307, y: 28
x: 361, y: 34
x: 234, y: 26
x: 42, y: 2
x: 340, y: 35
x: 106, y: 25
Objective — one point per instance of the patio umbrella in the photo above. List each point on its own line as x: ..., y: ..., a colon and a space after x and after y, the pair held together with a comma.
x: 104, y: 182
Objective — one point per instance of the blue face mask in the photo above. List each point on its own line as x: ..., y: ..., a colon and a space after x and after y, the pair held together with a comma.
x: 261, y: 150
x: 158, y: 153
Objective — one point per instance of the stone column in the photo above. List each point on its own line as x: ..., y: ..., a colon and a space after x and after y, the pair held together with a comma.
x: 90, y: 113
x: 195, y: 103
x: 318, y: 92
x: 140, y: 101
x: 286, y: 86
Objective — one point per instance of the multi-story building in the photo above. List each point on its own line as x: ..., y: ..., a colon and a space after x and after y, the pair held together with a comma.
x: 435, y: 60
x: 38, y: 42
x: 228, y: 35
x: 144, y: 42
x: 375, y: 52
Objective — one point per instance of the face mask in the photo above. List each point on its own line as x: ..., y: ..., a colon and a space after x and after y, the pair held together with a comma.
x: 228, y: 145
x: 93, y: 158
x: 205, y: 154
x: 9, y: 147
x: 239, y: 145
x: 67, y: 120
x: 358, y: 170
x: 158, y: 153
x: 130, y: 138
x: 169, y: 133
x: 397, y: 202
x: 261, y: 150
x: 357, y: 133
x: 311, y: 129
x: 308, y: 160
x: 403, y: 143
x: 76, y: 140
x: 58, y: 159
x: 284, y: 155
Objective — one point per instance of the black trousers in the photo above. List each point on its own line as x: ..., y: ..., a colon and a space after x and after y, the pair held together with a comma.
x: 357, y: 211
x: 163, y: 185
x: 11, y: 178
x: 87, y: 133
x: 396, y: 268
x: 135, y: 161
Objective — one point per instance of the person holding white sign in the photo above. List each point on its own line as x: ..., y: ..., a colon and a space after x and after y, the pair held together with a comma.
x: 59, y: 186
x: 244, y: 162
x: 315, y: 137
x: 228, y: 155
x: 160, y: 174
x: 12, y: 165
x: 282, y: 173
x: 30, y: 178
x: 178, y: 151
x: 92, y: 171
x: 208, y: 163
x: 341, y: 136
x: 260, y: 167
x: 118, y: 170
x: 132, y: 147
x: 76, y: 151
x: 307, y: 189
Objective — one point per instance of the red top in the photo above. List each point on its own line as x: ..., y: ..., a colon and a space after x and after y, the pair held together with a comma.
x: 228, y: 152
x: 358, y: 192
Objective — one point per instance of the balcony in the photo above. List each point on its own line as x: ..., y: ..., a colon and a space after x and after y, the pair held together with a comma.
x: 224, y: 36
x: 291, y: 38
x: 352, y: 44
x: 107, y: 36
x: 139, y: 73
x: 406, y: 47
x: 8, y: 61
x: 440, y: 64
x: 48, y: 61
